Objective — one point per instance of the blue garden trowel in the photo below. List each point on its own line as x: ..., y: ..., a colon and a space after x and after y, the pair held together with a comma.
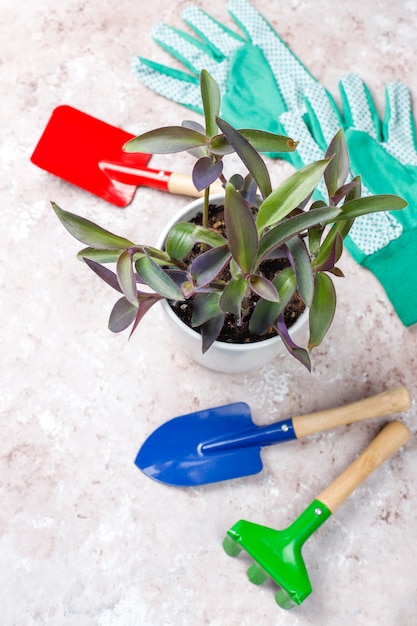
x: 222, y: 443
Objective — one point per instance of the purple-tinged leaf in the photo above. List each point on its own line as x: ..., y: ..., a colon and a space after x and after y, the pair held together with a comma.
x: 299, y: 353
x: 205, y: 172
x: 193, y: 125
x: 249, y: 156
x: 322, y: 309
x: 146, y: 301
x: 241, y: 230
x: 122, y: 315
x: 207, y: 266
x: 263, y: 287
x: 356, y: 191
x: 343, y: 191
x: 210, y: 331
x: 104, y: 273
x: 126, y: 277
x: 178, y: 276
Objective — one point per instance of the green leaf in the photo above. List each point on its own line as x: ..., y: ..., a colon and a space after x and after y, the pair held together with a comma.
x: 210, y: 95
x: 100, y: 256
x: 231, y: 298
x: 90, y: 233
x: 249, y: 156
x: 205, y: 307
x: 322, y: 309
x: 289, y: 194
x: 371, y: 204
x: 184, y: 235
x: 166, y: 140
x: 292, y: 226
x: 303, y: 271
x: 338, y: 169
x: 263, y: 141
x: 219, y: 145
x: 266, y: 313
x: 126, y: 277
x: 157, y: 279
x: 241, y: 230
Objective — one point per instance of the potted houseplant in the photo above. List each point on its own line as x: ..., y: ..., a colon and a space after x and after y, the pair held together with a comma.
x: 241, y: 268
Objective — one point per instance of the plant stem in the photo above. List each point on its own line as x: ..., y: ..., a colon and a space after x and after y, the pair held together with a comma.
x: 206, y: 207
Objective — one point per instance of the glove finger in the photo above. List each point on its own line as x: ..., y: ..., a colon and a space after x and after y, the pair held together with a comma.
x: 383, y: 173
x: 323, y: 115
x: 170, y: 83
x: 359, y: 111
x: 398, y: 126
x: 194, y: 54
x: 220, y: 39
x: 291, y: 75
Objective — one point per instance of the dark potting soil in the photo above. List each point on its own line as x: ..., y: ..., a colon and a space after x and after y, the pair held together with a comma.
x: 231, y: 332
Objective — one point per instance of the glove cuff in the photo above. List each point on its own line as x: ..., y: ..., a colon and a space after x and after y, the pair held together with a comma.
x: 395, y: 266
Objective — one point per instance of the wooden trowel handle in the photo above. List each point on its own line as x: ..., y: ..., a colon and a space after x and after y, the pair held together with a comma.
x: 182, y: 185
x: 385, y: 403
x: 392, y: 437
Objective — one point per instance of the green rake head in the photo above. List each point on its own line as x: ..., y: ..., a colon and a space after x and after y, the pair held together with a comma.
x: 277, y: 553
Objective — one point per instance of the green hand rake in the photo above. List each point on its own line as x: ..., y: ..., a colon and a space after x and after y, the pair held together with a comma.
x: 278, y: 553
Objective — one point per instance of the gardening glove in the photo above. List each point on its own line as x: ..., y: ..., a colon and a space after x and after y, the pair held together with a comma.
x: 259, y: 77
x: 385, y: 155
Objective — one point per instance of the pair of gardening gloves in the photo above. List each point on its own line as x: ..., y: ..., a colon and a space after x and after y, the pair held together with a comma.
x: 264, y: 85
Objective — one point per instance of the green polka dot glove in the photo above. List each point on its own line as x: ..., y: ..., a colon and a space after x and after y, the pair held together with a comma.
x: 259, y: 77
x: 384, y: 154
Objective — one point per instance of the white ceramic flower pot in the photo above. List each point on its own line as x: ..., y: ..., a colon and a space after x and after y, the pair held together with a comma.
x: 222, y: 356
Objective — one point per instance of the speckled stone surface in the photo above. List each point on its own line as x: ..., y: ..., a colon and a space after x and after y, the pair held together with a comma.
x: 85, y: 538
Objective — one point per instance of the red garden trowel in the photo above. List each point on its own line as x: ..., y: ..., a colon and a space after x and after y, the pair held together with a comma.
x: 222, y: 443
x: 88, y: 153
x: 277, y: 554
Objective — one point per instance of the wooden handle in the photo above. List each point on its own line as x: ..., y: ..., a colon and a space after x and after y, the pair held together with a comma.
x: 181, y: 184
x: 392, y: 437
x: 385, y: 403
